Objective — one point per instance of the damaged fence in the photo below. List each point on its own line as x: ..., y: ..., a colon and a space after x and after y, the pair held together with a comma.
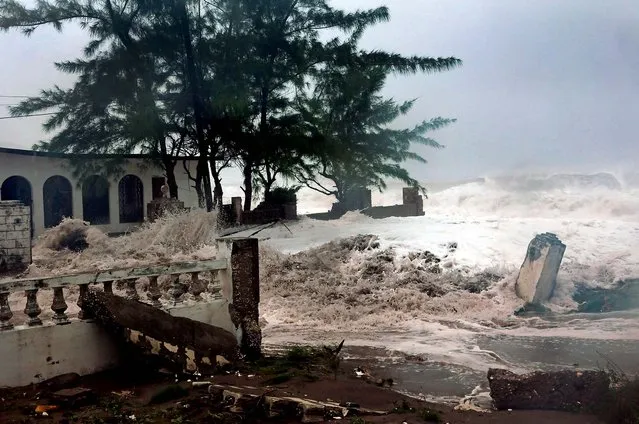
x: 36, y: 349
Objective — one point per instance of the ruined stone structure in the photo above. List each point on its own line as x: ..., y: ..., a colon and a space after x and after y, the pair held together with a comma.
x: 264, y: 213
x: 412, y: 205
x: 15, y: 236
x: 538, y: 274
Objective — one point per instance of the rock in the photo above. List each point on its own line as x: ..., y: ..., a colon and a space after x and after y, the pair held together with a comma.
x: 538, y: 274
x: 73, y: 398
x: 532, y: 310
x: 63, y: 381
x: 560, y: 391
x: 623, y: 296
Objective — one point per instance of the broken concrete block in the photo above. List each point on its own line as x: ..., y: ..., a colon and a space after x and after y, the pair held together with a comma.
x: 538, y: 274
x: 76, y: 397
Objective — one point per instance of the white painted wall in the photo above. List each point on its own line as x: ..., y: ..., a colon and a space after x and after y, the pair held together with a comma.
x: 37, y: 169
x: 34, y: 354
x: 29, y: 355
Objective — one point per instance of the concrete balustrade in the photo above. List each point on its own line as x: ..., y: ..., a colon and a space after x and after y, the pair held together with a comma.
x: 40, y: 348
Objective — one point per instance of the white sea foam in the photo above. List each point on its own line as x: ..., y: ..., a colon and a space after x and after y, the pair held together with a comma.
x: 387, y: 296
x: 324, y: 291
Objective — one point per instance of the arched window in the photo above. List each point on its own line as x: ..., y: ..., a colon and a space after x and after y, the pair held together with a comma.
x: 95, y: 200
x: 131, y: 194
x: 18, y: 188
x: 58, y: 200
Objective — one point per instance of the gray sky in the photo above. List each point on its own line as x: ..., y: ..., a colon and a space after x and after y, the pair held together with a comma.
x: 546, y: 84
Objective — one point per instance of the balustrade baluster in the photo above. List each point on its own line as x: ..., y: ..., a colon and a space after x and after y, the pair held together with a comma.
x: 108, y: 287
x: 215, y: 286
x: 154, y: 292
x: 32, y: 309
x: 131, y: 291
x: 177, y: 289
x: 59, y: 306
x: 84, y: 313
x: 197, y: 286
x: 5, y: 312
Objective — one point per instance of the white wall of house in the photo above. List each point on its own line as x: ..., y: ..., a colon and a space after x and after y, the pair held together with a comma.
x: 36, y: 169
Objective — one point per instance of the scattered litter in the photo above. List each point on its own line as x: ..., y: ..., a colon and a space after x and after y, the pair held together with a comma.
x: 201, y: 383
x: 45, y: 408
x: 124, y: 393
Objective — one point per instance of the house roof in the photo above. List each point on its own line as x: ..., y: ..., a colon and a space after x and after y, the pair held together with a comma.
x: 37, y: 153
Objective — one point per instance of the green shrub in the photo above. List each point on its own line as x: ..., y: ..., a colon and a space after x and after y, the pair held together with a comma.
x: 282, y: 195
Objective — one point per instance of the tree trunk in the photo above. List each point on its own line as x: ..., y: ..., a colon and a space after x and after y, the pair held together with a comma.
x: 169, y: 169
x: 198, y: 108
x: 268, y: 181
x: 248, y: 185
x: 218, y: 191
x: 198, y: 189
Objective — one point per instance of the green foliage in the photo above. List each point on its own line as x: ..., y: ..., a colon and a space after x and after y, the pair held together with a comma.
x: 254, y: 83
x: 282, y: 195
x: 430, y: 416
x: 305, y: 362
x: 361, y: 147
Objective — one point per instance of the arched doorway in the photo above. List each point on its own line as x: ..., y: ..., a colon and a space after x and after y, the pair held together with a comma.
x: 18, y: 188
x: 95, y: 200
x: 58, y: 200
x: 131, y: 193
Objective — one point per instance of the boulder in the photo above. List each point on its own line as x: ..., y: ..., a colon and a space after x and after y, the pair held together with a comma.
x: 538, y: 274
x: 559, y: 391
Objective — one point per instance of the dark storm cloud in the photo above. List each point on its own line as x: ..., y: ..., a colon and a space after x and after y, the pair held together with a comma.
x: 545, y: 83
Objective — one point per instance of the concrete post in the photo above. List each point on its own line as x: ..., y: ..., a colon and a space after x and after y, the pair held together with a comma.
x: 245, y: 291
x: 236, y: 205
x: 538, y: 274
x: 245, y: 266
x: 15, y: 236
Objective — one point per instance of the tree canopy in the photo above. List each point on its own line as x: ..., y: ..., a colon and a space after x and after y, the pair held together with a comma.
x: 248, y: 83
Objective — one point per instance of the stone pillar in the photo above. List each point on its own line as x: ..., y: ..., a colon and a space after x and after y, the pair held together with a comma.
x: 15, y: 236
x: 158, y: 207
x: 245, y: 292
x: 289, y: 211
x: 411, y: 196
x: 538, y: 274
x: 236, y: 205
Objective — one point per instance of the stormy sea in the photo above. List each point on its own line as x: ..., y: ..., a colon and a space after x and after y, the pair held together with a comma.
x: 432, y: 298
x: 429, y: 300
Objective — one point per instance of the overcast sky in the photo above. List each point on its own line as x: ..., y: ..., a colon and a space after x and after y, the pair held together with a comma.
x: 546, y: 84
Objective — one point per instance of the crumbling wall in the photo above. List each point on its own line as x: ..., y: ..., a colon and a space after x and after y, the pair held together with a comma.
x: 413, y: 205
x: 15, y: 236
x: 381, y: 212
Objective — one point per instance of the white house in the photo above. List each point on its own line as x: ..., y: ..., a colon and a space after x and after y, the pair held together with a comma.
x: 45, y: 182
